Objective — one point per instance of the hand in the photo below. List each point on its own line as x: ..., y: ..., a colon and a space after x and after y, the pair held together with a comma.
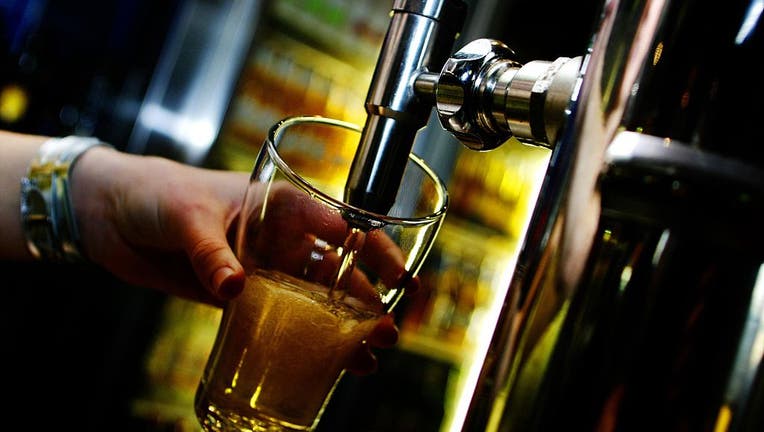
x: 161, y: 224
x: 302, y: 238
x: 384, y: 335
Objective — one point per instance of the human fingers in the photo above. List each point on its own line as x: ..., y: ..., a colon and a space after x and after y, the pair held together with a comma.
x: 297, y: 216
x: 204, y: 238
x: 165, y: 270
x: 296, y: 234
x: 169, y: 272
x: 384, y: 335
x: 362, y: 361
x: 215, y: 264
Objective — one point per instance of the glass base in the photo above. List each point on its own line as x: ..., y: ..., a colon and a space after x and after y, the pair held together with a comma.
x: 213, y: 419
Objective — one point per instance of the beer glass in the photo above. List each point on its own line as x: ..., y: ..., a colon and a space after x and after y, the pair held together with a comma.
x: 321, y: 274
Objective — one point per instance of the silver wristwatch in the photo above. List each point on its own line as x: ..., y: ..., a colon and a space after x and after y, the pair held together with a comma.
x: 46, y: 208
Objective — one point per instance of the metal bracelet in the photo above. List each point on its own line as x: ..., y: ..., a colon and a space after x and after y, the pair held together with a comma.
x: 47, y: 213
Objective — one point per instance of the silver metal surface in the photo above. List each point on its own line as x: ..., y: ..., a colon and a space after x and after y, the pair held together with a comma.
x: 551, y: 272
x: 192, y: 85
x: 460, y: 94
x: 578, y: 107
x: 420, y: 37
x: 484, y: 96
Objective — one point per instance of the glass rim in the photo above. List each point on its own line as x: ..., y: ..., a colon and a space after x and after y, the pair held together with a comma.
x: 279, y: 127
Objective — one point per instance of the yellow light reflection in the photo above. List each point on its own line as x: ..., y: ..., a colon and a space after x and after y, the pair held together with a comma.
x: 13, y: 103
x: 235, y: 379
x: 723, y: 420
x: 657, y: 53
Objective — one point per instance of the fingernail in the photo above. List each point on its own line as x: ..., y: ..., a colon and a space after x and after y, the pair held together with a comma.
x: 364, y: 362
x: 231, y: 285
x: 386, y: 333
x: 388, y: 338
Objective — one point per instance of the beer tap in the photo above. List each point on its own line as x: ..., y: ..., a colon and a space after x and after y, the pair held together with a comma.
x: 636, y: 300
x: 482, y: 95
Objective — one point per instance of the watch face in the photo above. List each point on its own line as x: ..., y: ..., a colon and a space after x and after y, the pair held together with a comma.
x: 33, y: 207
x: 34, y: 215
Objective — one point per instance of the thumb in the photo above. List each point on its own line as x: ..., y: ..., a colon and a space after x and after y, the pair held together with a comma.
x: 227, y: 280
x: 214, y: 262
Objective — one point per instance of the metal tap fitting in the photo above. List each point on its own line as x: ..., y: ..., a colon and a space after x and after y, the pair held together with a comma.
x: 484, y: 96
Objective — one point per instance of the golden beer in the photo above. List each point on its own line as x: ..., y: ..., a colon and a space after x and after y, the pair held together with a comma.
x: 282, y: 345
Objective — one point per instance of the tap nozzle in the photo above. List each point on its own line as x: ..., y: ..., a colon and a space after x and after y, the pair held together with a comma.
x: 420, y: 38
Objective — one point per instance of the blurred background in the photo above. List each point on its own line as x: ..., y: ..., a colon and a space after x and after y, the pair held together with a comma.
x: 201, y: 81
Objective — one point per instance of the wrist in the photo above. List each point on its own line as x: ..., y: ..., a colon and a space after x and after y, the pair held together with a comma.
x: 47, y: 213
x: 17, y: 151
